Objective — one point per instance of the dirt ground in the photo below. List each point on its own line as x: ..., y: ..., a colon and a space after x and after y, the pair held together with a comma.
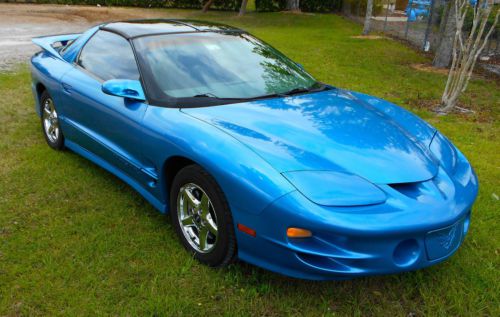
x: 19, y: 23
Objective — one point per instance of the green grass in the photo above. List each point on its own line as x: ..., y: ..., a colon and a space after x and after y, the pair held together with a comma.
x: 75, y: 240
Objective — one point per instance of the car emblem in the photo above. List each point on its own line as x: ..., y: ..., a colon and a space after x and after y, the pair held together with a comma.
x: 446, y: 239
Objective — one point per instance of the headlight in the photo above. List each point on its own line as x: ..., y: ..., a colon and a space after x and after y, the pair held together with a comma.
x: 444, y: 152
x: 330, y: 188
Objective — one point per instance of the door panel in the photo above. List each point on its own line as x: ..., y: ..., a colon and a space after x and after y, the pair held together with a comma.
x: 107, y: 126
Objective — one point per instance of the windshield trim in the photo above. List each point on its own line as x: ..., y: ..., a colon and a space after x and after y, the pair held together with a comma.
x: 201, y: 102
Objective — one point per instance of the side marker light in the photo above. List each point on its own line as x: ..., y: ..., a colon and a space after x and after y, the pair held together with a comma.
x: 247, y: 230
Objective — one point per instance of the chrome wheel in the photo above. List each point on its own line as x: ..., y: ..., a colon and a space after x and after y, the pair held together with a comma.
x: 197, y: 218
x: 50, y: 121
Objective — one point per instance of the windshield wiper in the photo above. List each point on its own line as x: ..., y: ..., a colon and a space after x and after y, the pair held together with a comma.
x: 267, y: 96
x: 300, y: 90
x: 291, y: 92
x: 210, y: 95
x: 206, y: 95
x: 295, y: 91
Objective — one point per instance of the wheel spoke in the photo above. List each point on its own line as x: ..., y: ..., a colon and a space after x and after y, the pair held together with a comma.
x: 197, y: 218
x: 192, y: 200
x: 50, y: 121
x: 188, y: 221
x: 185, y: 207
x: 202, y: 237
x: 211, y: 228
x: 205, y: 206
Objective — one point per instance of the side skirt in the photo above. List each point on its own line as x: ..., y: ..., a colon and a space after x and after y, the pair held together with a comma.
x: 113, y: 170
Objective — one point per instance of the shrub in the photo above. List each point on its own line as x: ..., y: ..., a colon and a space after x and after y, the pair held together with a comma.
x: 358, y: 7
x: 270, y: 5
x: 227, y: 5
x: 470, y: 16
x: 305, y: 5
x: 320, y: 5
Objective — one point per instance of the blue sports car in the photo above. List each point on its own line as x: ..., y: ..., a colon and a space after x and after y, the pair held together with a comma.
x: 250, y: 156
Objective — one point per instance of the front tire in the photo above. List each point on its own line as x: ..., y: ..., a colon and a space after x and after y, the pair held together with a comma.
x: 50, y: 122
x: 201, y: 217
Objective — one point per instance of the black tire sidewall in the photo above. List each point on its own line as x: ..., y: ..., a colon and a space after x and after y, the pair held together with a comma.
x: 59, y: 144
x: 225, y: 249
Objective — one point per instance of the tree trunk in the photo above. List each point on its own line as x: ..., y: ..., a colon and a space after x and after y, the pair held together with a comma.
x: 207, y: 5
x: 401, y: 4
x: 466, y: 50
x: 445, y: 47
x: 346, y: 7
x: 243, y: 8
x: 436, y: 6
x: 368, y: 17
x: 293, y: 5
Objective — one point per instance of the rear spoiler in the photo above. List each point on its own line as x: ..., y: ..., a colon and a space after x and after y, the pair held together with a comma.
x: 48, y: 43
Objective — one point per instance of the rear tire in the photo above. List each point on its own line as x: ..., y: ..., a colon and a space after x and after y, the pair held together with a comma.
x: 50, y: 122
x: 201, y: 217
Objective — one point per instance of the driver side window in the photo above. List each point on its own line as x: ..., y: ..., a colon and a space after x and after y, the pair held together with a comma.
x: 109, y: 56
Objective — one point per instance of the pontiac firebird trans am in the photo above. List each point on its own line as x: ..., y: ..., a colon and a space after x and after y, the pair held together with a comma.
x: 250, y: 155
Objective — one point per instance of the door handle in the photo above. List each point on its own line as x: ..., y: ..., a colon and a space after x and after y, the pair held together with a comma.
x: 67, y: 88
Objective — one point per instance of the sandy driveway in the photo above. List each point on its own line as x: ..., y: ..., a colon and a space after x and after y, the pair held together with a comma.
x: 21, y: 22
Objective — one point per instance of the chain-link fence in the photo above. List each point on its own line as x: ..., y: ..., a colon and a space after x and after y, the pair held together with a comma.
x: 417, y: 21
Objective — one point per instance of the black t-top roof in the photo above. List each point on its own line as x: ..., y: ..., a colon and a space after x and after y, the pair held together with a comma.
x: 137, y: 28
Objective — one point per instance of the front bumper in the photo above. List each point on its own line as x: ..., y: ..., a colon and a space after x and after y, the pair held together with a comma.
x: 403, y: 234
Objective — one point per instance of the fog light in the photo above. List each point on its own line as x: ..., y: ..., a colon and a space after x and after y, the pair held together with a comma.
x: 298, y: 233
x: 406, y: 253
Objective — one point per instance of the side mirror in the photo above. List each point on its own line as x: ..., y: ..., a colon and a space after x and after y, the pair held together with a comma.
x: 125, y: 88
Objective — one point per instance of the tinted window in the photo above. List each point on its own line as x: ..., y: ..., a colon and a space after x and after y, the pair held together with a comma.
x: 222, y: 65
x: 109, y: 56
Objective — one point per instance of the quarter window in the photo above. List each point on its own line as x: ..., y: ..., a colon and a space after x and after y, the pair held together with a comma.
x: 109, y: 56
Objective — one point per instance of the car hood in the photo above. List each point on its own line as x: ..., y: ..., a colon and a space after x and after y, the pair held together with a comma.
x: 333, y: 130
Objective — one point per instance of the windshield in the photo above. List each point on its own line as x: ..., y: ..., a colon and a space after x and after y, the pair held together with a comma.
x: 216, y: 65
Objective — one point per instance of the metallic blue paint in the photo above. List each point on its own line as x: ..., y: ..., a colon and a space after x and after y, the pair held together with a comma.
x: 71, y: 53
x: 381, y: 190
x: 125, y: 88
x: 47, y: 42
x: 328, y: 131
x: 338, y: 189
